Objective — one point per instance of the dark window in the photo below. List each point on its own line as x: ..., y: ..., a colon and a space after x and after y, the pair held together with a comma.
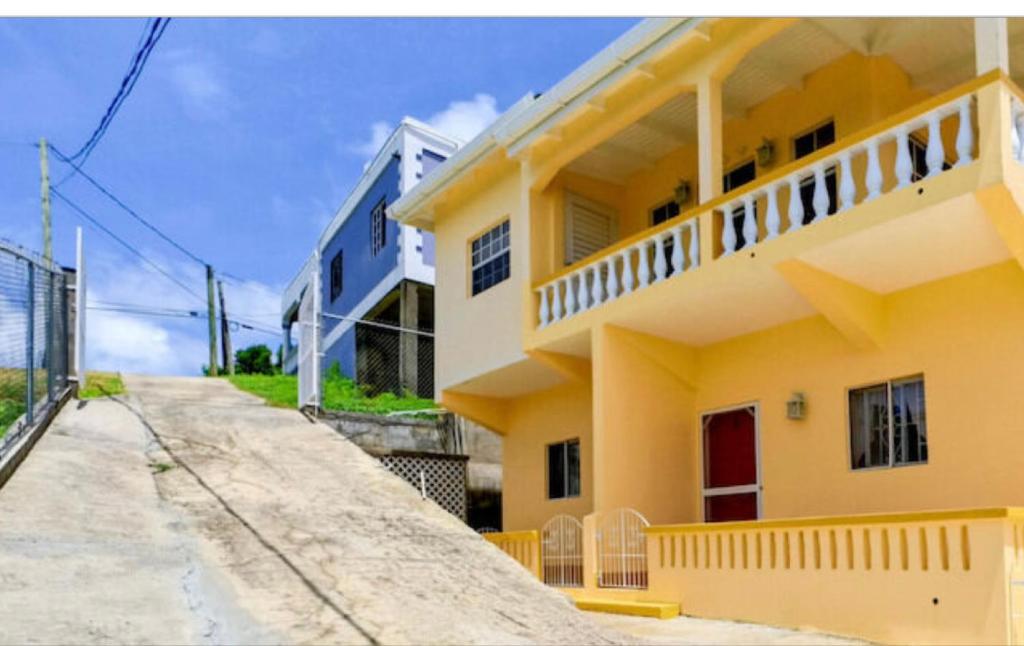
x: 491, y: 258
x: 664, y: 212
x: 336, y: 275
x: 429, y: 160
x: 887, y: 424
x: 564, y: 469
x: 804, y: 145
x: 378, y: 228
x: 732, y: 180
x: 919, y: 158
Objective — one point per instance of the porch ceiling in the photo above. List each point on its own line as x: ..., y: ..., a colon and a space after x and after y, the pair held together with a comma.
x: 937, y: 53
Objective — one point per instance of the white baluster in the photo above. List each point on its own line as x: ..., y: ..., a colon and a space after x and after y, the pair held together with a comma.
x: 583, y: 295
x: 643, y: 266
x: 677, y: 250
x: 570, y: 297
x: 694, y: 245
x: 660, y: 263
x: 873, y: 177
x: 796, y: 205
x: 545, y: 312
x: 772, y: 219
x: 935, y: 154
x: 613, y: 279
x: 964, y: 134
x: 847, y: 189
x: 904, y: 166
x: 556, y: 301
x: 627, y: 271
x: 749, y: 222
x: 820, y: 200
x: 728, y: 231
x: 596, y: 291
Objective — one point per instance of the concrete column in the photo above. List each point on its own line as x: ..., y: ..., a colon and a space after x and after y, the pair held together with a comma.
x: 991, y: 50
x: 709, y: 138
x: 408, y: 342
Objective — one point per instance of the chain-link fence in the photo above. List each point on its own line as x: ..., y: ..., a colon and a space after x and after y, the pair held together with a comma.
x: 33, y: 340
x: 395, y: 360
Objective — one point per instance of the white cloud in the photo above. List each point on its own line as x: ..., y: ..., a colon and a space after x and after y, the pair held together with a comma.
x: 136, y: 343
x: 461, y: 120
x: 201, y: 89
x: 379, y: 133
x: 464, y: 120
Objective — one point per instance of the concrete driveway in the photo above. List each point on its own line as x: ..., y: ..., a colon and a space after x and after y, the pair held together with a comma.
x: 189, y: 512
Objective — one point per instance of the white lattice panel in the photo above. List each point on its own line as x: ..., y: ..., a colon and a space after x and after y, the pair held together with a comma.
x: 444, y: 478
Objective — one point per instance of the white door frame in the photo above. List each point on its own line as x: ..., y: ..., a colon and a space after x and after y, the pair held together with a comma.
x: 757, y: 487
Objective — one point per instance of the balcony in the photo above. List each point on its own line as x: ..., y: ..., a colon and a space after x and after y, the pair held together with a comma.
x: 886, y: 208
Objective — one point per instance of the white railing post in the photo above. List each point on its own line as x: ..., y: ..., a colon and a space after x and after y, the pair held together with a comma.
x: 772, y: 219
x: 847, y: 189
x: 678, y: 258
x: 749, y: 222
x: 660, y: 263
x: 728, y: 232
x: 820, y: 200
x: 964, y: 134
x: 613, y: 280
x: 694, y: 245
x: 935, y: 153
x: 873, y: 176
x: 596, y: 291
x: 583, y: 295
x: 904, y: 165
x: 544, y: 314
x: 556, y: 301
x: 627, y: 271
x: 643, y: 266
x: 795, y: 212
x: 570, y: 296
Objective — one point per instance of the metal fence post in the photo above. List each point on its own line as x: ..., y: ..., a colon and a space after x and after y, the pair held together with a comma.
x: 29, y: 349
x: 51, y: 340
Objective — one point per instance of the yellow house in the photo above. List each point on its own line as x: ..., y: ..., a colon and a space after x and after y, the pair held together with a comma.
x: 745, y: 299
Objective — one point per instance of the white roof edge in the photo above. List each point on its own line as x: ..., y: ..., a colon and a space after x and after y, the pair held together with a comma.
x: 374, y: 169
x: 521, y: 125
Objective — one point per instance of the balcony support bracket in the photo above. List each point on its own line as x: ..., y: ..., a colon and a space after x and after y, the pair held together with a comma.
x: 858, y: 314
x: 1004, y: 210
x: 491, y: 412
x: 571, y: 368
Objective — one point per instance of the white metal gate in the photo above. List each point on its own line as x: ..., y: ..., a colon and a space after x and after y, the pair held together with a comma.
x: 309, y: 340
x: 622, y: 549
x: 561, y: 548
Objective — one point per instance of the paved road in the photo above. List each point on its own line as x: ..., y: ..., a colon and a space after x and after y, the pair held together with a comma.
x: 188, y: 512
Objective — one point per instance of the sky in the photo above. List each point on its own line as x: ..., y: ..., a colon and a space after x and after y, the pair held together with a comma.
x: 240, y: 141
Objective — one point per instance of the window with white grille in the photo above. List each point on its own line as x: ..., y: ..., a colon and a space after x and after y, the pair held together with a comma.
x: 378, y: 228
x: 887, y: 424
x: 491, y: 258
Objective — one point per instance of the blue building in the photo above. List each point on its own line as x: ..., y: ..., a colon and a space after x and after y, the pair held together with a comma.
x: 375, y: 276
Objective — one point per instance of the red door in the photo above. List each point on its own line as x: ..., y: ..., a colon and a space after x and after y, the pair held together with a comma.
x: 731, y: 487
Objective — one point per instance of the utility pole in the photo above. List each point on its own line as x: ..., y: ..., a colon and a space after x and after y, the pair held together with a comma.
x: 44, y: 194
x: 211, y: 315
x: 225, y: 333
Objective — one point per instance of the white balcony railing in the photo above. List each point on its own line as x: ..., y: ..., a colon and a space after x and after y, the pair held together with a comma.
x: 663, y: 253
x: 882, y: 159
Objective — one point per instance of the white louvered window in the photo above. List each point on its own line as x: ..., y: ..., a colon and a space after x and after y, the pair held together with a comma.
x: 589, y: 227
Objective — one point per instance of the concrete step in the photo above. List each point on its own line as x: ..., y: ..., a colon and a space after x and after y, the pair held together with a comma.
x: 656, y: 609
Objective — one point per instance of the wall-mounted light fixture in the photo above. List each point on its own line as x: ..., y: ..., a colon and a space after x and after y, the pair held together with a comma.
x: 682, y: 193
x: 796, y: 407
x: 765, y: 153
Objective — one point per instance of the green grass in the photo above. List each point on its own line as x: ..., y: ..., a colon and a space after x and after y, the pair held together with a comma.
x: 101, y: 384
x: 340, y: 394
x: 12, y: 396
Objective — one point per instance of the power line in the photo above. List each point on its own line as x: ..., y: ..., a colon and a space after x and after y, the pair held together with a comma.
x: 184, y: 314
x: 156, y: 30
x: 78, y: 169
x: 124, y: 244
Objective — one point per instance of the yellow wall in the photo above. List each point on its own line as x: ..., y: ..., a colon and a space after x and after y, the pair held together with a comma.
x: 461, y: 349
x: 961, y: 333
x: 554, y: 415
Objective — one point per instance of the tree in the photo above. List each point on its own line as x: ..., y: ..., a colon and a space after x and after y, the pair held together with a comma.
x: 254, y: 360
